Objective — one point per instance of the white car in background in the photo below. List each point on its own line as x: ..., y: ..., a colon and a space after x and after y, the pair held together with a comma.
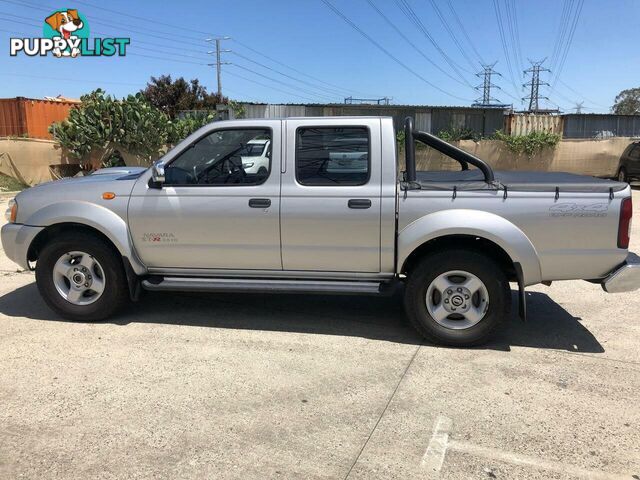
x: 256, y: 156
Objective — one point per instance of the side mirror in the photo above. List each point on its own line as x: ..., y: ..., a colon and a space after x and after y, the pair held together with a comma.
x: 157, y: 174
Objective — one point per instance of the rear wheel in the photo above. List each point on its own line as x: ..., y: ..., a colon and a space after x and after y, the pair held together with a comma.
x: 457, y: 297
x: 81, y: 277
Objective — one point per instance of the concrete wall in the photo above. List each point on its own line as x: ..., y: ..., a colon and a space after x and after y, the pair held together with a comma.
x: 34, y: 161
x: 588, y: 157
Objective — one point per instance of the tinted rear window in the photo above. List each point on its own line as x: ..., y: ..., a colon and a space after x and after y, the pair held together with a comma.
x: 330, y: 156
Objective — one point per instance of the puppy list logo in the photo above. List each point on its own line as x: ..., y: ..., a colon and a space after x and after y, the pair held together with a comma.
x: 66, y: 34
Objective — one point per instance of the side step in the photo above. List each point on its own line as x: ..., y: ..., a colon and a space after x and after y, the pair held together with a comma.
x: 199, y: 284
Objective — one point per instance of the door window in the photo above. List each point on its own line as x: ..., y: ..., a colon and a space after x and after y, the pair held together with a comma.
x: 224, y: 157
x: 328, y: 156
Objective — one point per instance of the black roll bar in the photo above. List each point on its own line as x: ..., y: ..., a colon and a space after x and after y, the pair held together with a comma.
x: 462, y: 157
x: 410, y: 150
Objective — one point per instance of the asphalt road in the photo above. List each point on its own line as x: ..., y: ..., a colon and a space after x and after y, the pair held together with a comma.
x: 254, y: 386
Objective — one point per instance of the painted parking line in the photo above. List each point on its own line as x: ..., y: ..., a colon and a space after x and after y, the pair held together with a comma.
x: 440, y: 444
x: 437, y: 449
x: 535, y: 462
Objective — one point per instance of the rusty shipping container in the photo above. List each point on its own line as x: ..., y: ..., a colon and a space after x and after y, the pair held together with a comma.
x: 28, y: 117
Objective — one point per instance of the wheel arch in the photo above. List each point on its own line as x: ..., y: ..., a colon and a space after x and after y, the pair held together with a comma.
x: 91, y: 218
x: 480, y: 231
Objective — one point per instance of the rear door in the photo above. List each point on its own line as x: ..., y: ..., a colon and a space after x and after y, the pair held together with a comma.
x: 330, y: 203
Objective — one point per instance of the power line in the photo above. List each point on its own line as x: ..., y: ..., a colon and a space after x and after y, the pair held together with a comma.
x: 413, y: 45
x: 512, y: 23
x: 68, y: 79
x: 130, y: 53
x: 244, y: 45
x: 413, y: 18
x: 170, y: 39
x: 562, y: 25
x: 569, y: 40
x: 386, y: 52
x: 464, y: 31
x: 507, y: 56
x: 144, y: 19
x: 182, y: 61
x: 322, y: 89
x: 582, y: 95
x: 233, y: 74
x: 295, y: 87
x: 154, y: 43
x: 451, y: 34
x: 154, y: 35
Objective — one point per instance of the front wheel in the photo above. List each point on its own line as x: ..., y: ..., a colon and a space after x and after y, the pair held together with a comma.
x: 457, y: 297
x: 81, y: 277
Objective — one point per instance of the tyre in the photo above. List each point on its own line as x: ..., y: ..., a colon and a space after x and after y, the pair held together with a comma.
x: 81, y: 277
x: 622, y: 175
x: 457, y: 297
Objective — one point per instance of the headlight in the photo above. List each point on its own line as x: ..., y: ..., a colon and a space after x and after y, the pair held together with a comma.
x: 247, y: 165
x: 12, y: 211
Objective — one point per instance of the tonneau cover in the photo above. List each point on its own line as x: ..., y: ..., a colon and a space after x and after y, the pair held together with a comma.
x: 517, y: 181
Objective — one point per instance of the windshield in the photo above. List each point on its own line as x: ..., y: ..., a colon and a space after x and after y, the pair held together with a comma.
x: 252, y: 150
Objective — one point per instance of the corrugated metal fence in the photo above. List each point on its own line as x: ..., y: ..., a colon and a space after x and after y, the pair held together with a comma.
x: 522, y: 124
x: 25, y: 117
x: 484, y: 122
x: 601, y: 126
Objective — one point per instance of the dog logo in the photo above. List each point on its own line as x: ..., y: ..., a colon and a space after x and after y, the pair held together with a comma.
x: 67, y: 24
x: 65, y: 33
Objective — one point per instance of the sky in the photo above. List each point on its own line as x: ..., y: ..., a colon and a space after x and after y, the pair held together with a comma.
x: 303, y: 51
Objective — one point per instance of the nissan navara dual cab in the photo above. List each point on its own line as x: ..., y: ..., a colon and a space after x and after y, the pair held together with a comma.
x: 317, y: 205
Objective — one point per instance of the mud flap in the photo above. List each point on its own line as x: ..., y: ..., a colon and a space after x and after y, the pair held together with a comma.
x: 133, y: 281
x: 522, y: 297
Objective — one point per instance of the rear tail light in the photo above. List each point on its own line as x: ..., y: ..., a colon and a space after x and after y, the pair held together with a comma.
x: 624, y: 227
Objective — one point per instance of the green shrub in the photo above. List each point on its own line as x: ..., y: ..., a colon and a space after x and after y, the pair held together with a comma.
x: 530, y: 143
x: 456, y: 134
x: 103, y: 125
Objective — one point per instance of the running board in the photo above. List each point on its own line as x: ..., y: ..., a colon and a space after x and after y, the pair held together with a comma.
x: 191, y: 284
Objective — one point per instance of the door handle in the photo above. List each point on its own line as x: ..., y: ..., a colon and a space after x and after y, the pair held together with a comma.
x: 259, y: 202
x: 360, y: 203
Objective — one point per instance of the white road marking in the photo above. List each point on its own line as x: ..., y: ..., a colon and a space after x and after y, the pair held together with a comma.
x: 437, y: 449
x: 529, y: 461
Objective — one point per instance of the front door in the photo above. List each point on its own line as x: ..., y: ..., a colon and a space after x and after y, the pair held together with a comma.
x: 219, y: 206
x: 331, y: 188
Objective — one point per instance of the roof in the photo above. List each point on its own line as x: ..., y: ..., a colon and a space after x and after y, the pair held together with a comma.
x: 317, y: 118
x: 374, y: 105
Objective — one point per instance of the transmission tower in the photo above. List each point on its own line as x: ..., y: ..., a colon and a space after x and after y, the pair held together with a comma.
x: 534, y: 97
x: 487, y: 100
x: 578, y: 108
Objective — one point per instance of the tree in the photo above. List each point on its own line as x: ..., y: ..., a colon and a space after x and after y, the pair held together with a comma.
x: 173, y: 96
x: 627, y: 102
x: 102, y: 124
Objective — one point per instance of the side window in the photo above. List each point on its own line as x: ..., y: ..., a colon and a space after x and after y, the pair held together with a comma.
x: 224, y: 157
x: 635, y: 152
x: 328, y: 156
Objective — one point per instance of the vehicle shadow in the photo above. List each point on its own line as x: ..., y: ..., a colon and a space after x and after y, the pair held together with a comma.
x: 379, y: 318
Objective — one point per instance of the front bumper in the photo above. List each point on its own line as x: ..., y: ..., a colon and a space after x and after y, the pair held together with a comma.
x: 625, y: 278
x: 16, y: 240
